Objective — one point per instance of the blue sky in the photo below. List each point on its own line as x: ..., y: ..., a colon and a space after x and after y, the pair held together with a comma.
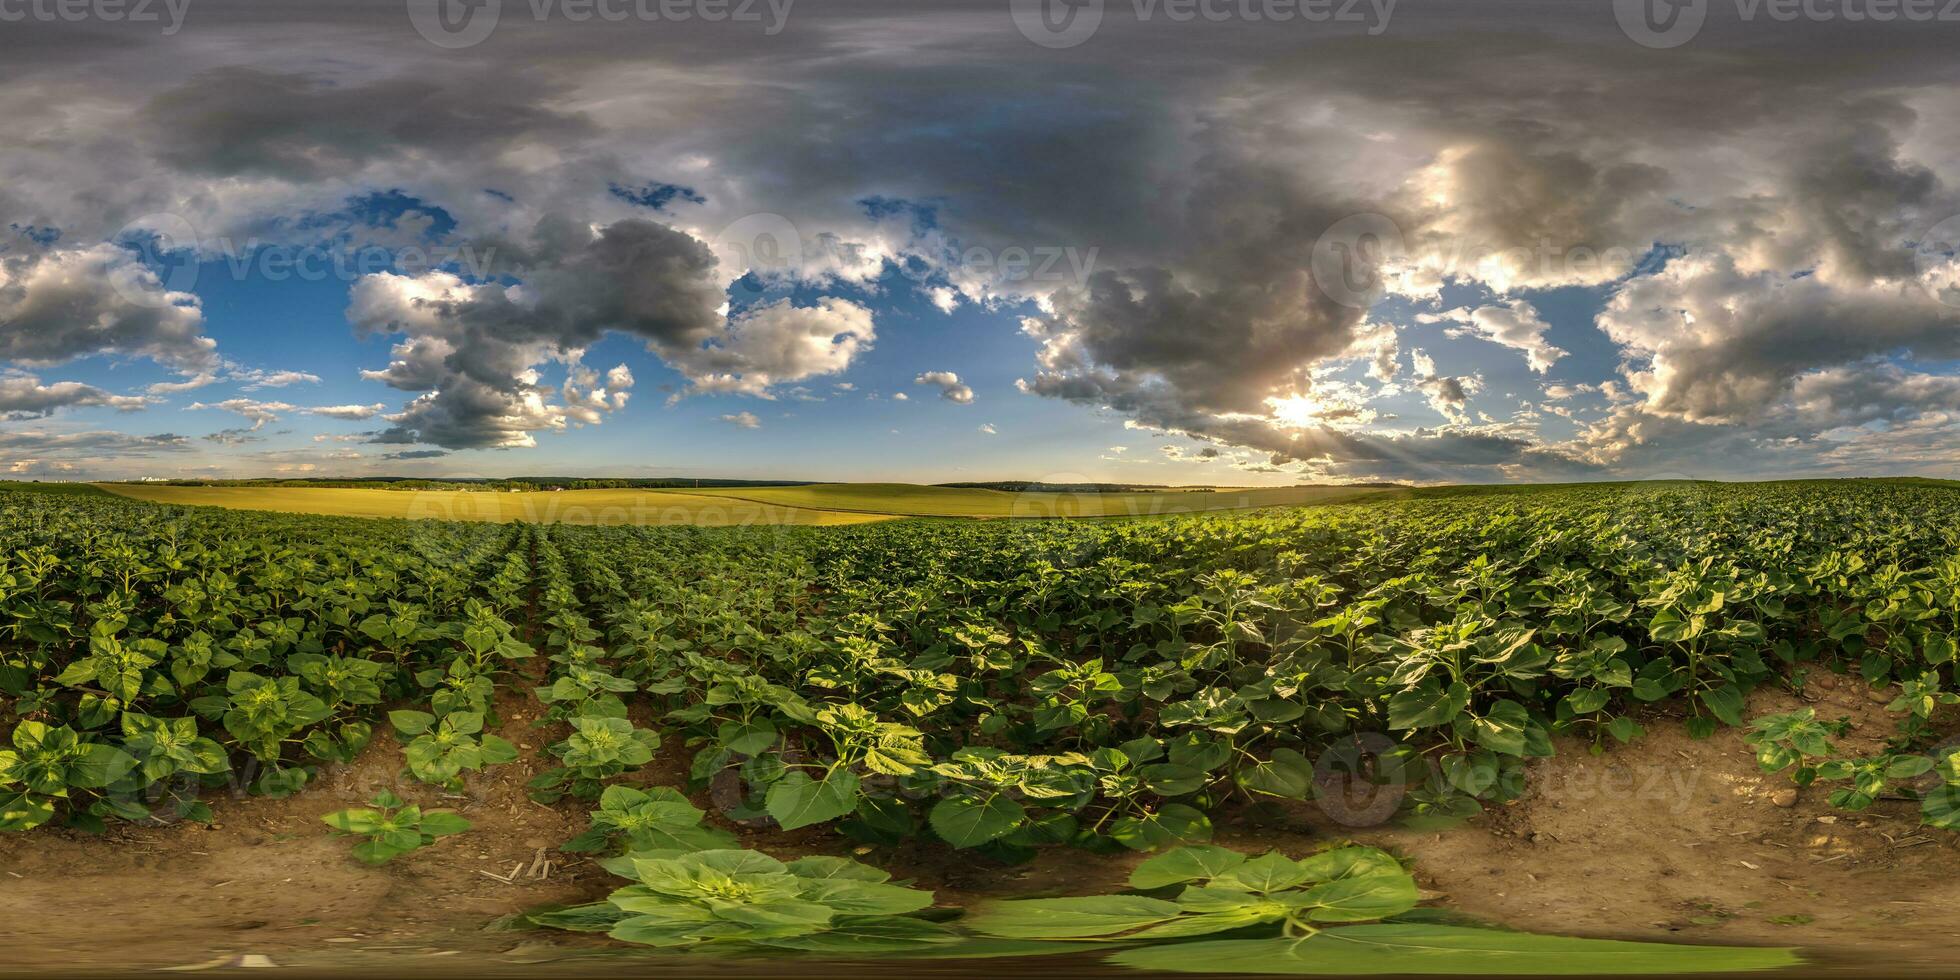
x: 815, y: 429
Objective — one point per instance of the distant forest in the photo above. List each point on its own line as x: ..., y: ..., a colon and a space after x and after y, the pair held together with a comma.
x: 510, y: 483
x: 665, y: 483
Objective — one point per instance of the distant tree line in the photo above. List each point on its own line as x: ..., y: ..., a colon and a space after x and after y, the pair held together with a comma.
x: 508, y: 484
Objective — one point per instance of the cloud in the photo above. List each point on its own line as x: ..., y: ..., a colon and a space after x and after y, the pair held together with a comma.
x: 1448, y: 395
x: 257, y: 411
x: 589, y: 396
x: 23, y: 396
x: 201, y: 379
x: 234, y: 437
x: 61, y: 305
x: 348, y: 412
x: 254, y: 379
x: 1790, y: 189
x: 244, y: 122
x: 275, y: 379
x: 1707, y: 340
x: 779, y: 343
x: 746, y: 420
x: 262, y: 412
x: 473, y: 350
x: 949, y: 385
x: 36, y: 448
x: 1515, y: 325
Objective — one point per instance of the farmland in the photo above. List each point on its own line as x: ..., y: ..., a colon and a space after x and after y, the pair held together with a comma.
x: 783, y: 712
x: 816, y: 504
x: 606, y: 507
x: 918, y: 501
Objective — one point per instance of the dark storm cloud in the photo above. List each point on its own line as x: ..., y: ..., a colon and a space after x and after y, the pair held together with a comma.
x: 248, y: 121
x: 472, y: 347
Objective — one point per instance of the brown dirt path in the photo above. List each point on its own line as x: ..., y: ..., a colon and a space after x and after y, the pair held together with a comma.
x: 1670, y: 839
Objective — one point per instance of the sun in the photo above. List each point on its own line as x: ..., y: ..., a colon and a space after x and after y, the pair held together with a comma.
x: 1298, y: 411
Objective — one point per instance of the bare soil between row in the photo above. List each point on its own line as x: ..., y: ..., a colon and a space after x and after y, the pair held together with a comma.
x: 1667, y: 840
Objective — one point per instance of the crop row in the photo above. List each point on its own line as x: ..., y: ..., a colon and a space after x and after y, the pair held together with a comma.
x: 994, y: 685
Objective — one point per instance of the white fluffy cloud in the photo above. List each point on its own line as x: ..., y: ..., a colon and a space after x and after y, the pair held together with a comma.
x: 949, y: 385
x: 262, y: 412
x: 1707, y: 340
x: 1515, y: 324
x: 474, y: 350
x: 275, y: 379
x: 23, y: 396
x: 352, y: 413
x: 60, y: 305
x: 779, y: 343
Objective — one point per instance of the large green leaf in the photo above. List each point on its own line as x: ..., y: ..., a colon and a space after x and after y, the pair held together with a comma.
x: 98, y: 765
x: 849, y: 897
x: 442, y: 823
x: 1349, y: 862
x: 1724, y: 702
x: 1427, y: 705
x: 871, y: 937
x: 1195, y: 863
x: 1941, y: 807
x: 1502, y: 728
x: 1285, y: 774
x: 796, y: 800
x: 823, y: 866
x: 1447, y: 950
x: 1172, y: 823
x: 1266, y: 873
x: 1361, y: 899
x: 1070, y: 918
x: 969, y: 821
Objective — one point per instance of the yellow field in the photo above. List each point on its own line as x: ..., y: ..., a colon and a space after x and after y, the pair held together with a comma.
x: 922, y: 501
x: 638, y: 507
x: 816, y: 504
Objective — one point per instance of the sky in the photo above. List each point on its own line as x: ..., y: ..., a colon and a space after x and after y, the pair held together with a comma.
x: 1232, y: 242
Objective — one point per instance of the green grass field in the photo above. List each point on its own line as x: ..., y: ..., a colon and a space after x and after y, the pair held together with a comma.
x: 64, y: 489
x: 638, y: 507
x: 922, y: 501
x: 817, y: 504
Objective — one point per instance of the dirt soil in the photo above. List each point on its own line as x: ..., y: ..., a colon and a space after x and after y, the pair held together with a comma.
x: 1670, y: 839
